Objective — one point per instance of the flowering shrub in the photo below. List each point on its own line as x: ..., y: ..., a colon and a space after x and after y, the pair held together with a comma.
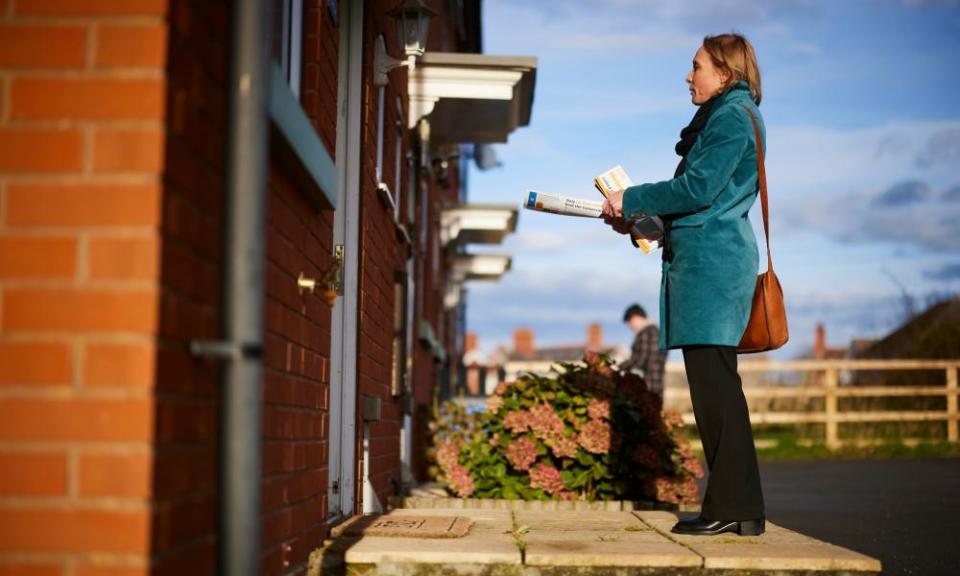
x: 591, y: 433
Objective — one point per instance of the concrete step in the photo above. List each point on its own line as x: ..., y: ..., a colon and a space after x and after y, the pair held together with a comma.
x: 566, y: 543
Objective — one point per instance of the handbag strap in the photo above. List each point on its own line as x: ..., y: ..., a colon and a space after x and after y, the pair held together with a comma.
x: 763, y: 186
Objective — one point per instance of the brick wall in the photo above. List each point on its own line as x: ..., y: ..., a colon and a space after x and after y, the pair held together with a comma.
x: 81, y: 151
x: 187, y: 388
x: 382, y: 255
x: 296, y: 390
x: 113, y: 121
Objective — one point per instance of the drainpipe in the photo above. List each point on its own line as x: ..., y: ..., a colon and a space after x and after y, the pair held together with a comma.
x: 243, y: 291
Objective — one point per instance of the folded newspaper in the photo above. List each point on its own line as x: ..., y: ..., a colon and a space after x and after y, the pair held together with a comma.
x: 645, y: 231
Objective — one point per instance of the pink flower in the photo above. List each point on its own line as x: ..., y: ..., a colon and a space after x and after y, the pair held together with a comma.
x: 677, y: 491
x: 500, y: 389
x: 495, y: 439
x: 521, y: 453
x: 545, y: 422
x: 595, y: 437
x: 460, y: 481
x: 567, y: 495
x: 563, y: 447
x: 672, y: 419
x: 692, y: 465
x: 494, y: 403
x: 665, y: 491
x: 448, y: 455
x: 547, y: 477
x: 517, y: 421
x: 598, y: 408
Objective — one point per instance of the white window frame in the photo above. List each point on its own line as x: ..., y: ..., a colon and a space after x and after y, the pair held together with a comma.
x: 291, y: 44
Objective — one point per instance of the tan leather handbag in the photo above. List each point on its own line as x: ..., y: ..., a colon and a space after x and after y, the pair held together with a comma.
x: 767, y: 328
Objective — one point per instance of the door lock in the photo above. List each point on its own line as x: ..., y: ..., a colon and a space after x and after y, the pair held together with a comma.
x: 330, y: 282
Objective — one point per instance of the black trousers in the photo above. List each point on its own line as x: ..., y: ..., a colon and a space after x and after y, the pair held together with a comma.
x: 733, y: 487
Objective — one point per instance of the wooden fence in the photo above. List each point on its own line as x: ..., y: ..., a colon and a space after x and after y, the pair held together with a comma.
x: 830, y: 389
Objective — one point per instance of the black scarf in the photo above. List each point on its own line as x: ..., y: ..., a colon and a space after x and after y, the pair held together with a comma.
x: 688, y: 136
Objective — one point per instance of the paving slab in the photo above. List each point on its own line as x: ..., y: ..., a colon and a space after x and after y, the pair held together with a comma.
x: 561, y: 521
x: 776, y: 549
x: 598, y: 539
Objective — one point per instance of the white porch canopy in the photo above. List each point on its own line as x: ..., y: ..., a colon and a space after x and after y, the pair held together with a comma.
x: 472, y: 97
x: 477, y: 223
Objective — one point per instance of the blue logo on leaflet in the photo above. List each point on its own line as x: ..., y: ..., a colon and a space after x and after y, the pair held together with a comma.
x: 532, y: 199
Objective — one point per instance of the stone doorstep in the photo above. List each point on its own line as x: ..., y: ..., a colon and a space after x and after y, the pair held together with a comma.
x: 585, y: 540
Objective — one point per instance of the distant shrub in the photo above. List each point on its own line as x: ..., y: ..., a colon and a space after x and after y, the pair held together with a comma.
x: 590, y: 433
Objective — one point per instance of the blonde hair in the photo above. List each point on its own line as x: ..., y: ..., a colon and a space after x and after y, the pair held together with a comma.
x: 733, y: 54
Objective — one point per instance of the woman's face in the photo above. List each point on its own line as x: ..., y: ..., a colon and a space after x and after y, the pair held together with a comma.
x: 705, y: 79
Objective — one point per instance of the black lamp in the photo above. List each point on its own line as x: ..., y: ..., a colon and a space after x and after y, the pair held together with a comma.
x: 413, y: 26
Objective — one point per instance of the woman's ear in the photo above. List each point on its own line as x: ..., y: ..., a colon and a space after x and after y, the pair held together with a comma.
x: 725, y: 77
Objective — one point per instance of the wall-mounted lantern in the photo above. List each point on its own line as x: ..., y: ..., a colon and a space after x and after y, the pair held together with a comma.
x: 413, y: 25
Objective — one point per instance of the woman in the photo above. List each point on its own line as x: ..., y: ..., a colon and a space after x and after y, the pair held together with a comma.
x: 709, y: 271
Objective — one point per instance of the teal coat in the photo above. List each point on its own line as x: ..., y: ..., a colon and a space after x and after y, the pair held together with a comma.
x: 707, y: 289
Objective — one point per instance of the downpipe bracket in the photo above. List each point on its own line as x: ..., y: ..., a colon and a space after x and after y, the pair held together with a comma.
x: 225, y: 350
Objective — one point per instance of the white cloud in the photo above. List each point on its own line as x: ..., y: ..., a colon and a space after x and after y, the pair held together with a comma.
x: 884, y: 184
x: 636, y: 42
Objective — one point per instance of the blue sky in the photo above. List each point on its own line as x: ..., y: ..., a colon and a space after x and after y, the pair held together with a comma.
x: 862, y: 108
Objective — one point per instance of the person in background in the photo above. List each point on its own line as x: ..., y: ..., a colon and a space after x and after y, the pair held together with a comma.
x: 646, y: 358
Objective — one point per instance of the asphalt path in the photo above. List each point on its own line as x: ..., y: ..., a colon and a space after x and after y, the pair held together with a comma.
x: 906, y: 512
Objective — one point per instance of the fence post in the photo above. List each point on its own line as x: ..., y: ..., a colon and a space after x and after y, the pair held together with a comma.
x: 952, y: 403
x: 831, y: 380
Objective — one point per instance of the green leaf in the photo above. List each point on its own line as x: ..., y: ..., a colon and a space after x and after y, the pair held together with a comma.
x: 584, y: 458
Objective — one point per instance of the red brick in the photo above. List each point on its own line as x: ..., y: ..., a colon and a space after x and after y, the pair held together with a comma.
x: 181, y: 471
x: 76, y: 420
x: 126, y: 257
x: 33, y: 474
x: 91, y: 7
x: 74, y: 530
x: 35, y: 363
x: 119, y: 366
x: 183, y: 520
x: 86, y: 98
x: 108, y: 570
x: 39, y: 150
x: 80, y: 310
x: 40, y: 569
x: 42, y: 46
x: 133, y: 46
x: 83, y: 205
x: 128, y: 150
x: 37, y: 257
x: 186, y: 421
x: 115, y: 474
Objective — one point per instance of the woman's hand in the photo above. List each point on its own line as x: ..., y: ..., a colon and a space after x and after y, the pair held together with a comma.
x: 613, y: 206
x: 621, y: 225
x: 613, y: 213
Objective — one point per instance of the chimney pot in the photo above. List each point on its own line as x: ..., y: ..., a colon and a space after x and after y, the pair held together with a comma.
x: 820, y: 341
x: 469, y: 342
x: 523, y: 342
x: 594, y: 337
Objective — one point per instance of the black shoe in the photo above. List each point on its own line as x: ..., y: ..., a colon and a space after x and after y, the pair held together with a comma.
x: 701, y: 526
